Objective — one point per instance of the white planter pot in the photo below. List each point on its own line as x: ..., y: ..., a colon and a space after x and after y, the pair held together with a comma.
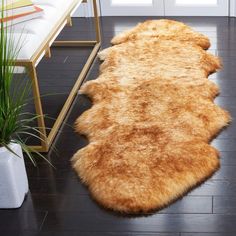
x: 13, y: 179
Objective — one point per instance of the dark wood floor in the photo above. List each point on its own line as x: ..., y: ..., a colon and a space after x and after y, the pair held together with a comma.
x: 58, y: 204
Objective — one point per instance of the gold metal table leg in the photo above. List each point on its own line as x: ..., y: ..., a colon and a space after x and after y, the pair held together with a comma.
x: 38, y: 107
x: 97, y: 22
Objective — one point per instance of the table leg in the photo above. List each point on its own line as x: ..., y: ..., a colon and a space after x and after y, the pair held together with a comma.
x: 38, y: 106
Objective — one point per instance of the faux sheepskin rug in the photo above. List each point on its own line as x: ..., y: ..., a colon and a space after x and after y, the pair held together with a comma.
x: 152, y: 119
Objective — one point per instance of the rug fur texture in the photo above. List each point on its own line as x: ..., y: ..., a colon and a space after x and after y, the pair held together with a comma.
x: 152, y: 119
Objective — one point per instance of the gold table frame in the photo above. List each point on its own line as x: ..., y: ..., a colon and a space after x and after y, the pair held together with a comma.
x: 31, y: 64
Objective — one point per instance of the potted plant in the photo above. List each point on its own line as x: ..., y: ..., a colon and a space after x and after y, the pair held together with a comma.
x: 14, y: 123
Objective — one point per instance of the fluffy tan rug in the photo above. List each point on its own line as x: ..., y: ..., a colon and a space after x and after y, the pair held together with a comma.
x: 152, y: 118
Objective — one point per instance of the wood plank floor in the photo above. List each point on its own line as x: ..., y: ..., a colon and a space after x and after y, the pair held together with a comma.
x: 58, y: 204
